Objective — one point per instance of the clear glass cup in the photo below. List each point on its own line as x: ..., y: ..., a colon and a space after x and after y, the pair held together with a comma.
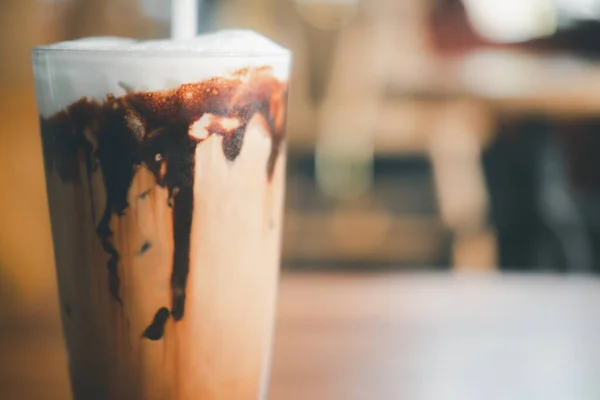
x: 165, y: 177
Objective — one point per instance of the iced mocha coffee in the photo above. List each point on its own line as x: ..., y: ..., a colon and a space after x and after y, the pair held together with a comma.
x: 165, y: 177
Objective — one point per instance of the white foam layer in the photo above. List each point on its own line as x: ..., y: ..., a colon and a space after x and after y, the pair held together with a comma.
x: 96, y: 67
x: 221, y: 43
x: 92, y: 43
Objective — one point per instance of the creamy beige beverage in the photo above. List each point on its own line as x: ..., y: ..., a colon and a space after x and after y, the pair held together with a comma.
x: 165, y: 177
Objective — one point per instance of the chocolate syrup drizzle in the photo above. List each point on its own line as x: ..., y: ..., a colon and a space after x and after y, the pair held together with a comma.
x: 152, y: 130
x: 156, y: 329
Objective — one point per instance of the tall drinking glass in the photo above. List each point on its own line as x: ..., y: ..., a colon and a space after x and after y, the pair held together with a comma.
x: 165, y: 168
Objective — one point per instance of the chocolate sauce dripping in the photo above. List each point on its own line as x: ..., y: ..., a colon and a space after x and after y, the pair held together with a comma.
x: 156, y: 329
x: 179, y: 178
x: 117, y: 153
x: 151, y: 129
x: 64, y: 136
x: 145, y: 247
x: 106, y: 235
x: 182, y: 226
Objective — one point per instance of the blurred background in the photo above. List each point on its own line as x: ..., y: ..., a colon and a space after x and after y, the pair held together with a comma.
x: 423, y: 134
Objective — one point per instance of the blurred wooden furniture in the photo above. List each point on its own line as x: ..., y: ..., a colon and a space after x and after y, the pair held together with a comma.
x: 466, y: 97
x: 380, y: 337
x: 412, y: 96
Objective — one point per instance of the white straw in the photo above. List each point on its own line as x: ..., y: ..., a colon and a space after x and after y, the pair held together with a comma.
x: 184, y: 19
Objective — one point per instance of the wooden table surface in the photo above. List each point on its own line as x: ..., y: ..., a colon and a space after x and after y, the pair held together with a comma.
x: 379, y: 337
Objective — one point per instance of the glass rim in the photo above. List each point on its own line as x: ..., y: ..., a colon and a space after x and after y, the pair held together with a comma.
x: 46, y: 50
